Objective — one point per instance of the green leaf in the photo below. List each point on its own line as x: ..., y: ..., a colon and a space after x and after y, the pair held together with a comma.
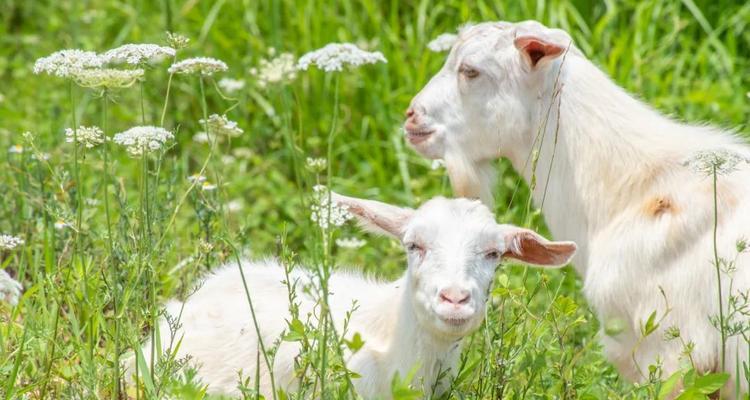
x: 669, y: 385
x: 296, y: 331
x: 710, y: 383
x: 651, y: 324
x: 356, y: 343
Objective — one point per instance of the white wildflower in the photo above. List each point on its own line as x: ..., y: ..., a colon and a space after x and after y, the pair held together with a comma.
x: 316, y: 164
x: 325, y: 213
x: 275, y: 70
x: 220, y: 125
x: 177, y: 41
x: 89, y: 136
x: 41, y: 156
x: 208, y: 186
x: 15, y: 149
x: 235, y: 205
x: 350, y: 243
x: 437, y: 164
x: 137, y: 54
x: 10, y: 289
x: 443, y: 42
x: 721, y: 161
x: 198, y: 65
x: 61, y: 224
x: 143, y: 139
x: 196, y: 178
x: 9, y: 242
x: 107, y: 77
x: 200, y: 137
x: 334, y: 56
x: 66, y: 63
x: 228, y: 159
x: 230, y: 85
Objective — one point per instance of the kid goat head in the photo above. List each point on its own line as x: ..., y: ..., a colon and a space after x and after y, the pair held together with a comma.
x: 453, y: 247
x: 481, y: 104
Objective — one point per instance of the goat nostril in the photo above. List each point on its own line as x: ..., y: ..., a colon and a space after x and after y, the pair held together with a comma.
x: 409, y: 112
x: 456, y: 297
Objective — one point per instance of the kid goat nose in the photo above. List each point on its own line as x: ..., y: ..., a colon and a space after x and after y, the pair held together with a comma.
x: 454, y: 296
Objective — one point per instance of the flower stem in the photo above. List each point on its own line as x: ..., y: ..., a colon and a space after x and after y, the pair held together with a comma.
x: 113, y: 265
x: 718, y: 272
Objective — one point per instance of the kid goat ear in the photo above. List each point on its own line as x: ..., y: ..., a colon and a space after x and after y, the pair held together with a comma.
x: 531, y: 248
x: 375, y: 216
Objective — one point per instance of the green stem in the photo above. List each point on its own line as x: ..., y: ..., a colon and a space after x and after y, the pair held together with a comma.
x: 113, y: 265
x: 718, y: 273
x: 166, y: 97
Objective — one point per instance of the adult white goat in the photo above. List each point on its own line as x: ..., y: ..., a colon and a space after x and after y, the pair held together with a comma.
x: 453, y: 248
x: 612, y: 171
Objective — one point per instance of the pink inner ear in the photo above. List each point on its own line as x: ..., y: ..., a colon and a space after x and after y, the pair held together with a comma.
x: 536, y: 49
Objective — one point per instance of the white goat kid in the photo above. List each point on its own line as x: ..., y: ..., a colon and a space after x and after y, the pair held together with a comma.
x: 453, y: 248
x: 617, y: 182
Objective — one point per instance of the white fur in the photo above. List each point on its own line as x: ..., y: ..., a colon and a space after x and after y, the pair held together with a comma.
x: 615, y: 157
x: 453, y: 246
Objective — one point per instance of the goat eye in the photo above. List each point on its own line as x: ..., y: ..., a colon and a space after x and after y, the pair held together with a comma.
x: 468, y: 72
x: 493, y: 255
x: 411, y: 247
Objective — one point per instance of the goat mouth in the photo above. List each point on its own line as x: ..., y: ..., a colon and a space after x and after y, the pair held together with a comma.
x: 416, y: 137
x: 455, y: 321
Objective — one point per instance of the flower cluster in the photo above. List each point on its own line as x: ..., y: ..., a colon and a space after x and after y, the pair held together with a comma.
x: 88, y: 136
x: 316, y: 165
x: 107, y: 77
x: 275, y: 70
x: 9, y: 242
x: 10, y: 289
x: 350, y: 243
x: 324, y: 212
x: 720, y: 161
x: 443, y: 42
x: 15, y: 149
x: 230, y: 85
x: 140, y: 140
x: 220, y: 125
x: 199, y: 65
x: 334, y: 56
x: 137, y: 54
x: 177, y: 41
x: 67, y: 63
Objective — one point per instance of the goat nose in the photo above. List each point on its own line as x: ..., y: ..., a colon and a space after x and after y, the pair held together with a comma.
x: 454, y: 296
x: 410, y: 112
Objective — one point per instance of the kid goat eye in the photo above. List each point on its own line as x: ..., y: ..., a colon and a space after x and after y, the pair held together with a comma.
x: 468, y: 72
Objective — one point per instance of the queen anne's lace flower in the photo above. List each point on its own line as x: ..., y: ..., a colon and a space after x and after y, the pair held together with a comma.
x: 9, y: 242
x: 230, y: 85
x: 137, y: 54
x: 140, y: 140
x: 334, y: 56
x: 177, y: 41
x: 220, y: 125
x: 198, y: 65
x: 275, y: 70
x: 350, y: 243
x: 66, y: 63
x: 10, y: 289
x: 721, y: 161
x: 88, y: 136
x: 443, y: 42
x: 108, y: 78
x: 326, y: 213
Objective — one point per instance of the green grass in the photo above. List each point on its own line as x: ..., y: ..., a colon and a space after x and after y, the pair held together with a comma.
x: 688, y: 58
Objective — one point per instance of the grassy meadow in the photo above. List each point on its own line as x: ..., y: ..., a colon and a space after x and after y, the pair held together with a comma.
x: 109, y: 237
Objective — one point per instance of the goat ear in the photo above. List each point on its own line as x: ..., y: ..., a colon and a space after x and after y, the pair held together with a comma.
x: 538, y: 50
x: 531, y: 248
x: 375, y: 216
